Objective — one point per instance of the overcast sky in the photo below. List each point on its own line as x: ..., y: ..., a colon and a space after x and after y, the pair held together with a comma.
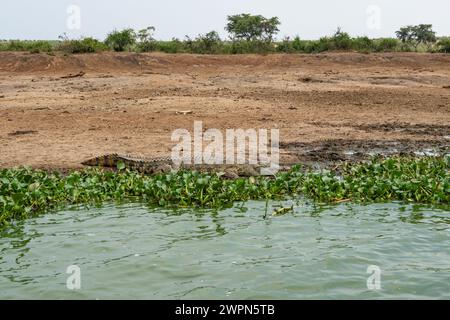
x: 310, y: 19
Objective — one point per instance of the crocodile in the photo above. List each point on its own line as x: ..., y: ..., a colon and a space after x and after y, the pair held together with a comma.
x: 166, y: 164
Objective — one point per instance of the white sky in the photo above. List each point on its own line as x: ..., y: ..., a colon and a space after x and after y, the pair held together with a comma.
x: 310, y: 19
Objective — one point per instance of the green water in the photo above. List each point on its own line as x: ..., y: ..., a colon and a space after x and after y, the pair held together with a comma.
x: 130, y: 251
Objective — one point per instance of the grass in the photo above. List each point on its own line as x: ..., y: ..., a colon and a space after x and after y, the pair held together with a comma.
x: 25, y: 192
x: 36, y: 46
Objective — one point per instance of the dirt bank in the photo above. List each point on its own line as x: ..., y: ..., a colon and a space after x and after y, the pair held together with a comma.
x: 56, y: 110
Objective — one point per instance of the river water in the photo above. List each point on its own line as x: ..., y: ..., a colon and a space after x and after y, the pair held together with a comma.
x: 130, y: 251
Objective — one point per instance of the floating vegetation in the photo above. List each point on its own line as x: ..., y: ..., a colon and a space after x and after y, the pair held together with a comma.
x: 25, y: 192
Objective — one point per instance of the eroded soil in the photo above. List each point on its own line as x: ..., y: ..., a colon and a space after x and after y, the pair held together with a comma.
x: 56, y: 111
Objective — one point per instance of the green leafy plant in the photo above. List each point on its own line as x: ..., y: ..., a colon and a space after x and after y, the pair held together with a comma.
x: 209, y: 43
x: 27, y: 45
x: 252, y: 27
x: 416, y: 35
x: 121, y: 40
x: 25, y: 192
x: 146, y: 42
x: 83, y: 45
x: 444, y: 45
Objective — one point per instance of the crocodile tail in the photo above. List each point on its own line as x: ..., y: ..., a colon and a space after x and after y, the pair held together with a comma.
x: 109, y: 160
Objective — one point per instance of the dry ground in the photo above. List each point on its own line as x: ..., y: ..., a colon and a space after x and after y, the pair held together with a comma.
x: 332, y: 106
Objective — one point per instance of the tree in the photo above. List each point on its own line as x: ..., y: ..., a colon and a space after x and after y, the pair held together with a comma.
x: 422, y: 33
x: 146, y: 35
x: 405, y: 34
x: 252, y: 27
x: 146, y: 42
x: 121, y: 40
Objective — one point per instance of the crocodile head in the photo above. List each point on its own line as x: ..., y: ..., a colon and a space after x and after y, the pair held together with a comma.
x: 109, y: 160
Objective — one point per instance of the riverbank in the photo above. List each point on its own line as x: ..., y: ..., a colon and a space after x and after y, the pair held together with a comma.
x: 27, y: 192
x: 57, y: 111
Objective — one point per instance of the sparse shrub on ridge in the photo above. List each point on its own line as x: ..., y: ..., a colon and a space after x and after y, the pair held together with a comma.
x: 146, y: 41
x: 84, y: 45
x: 173, y: 46
x: 444, y: 45
x: 32, y: 46
x: 363, y: 44
x: 208, y: 43
x: 121, y: 40
x: 386, y: 45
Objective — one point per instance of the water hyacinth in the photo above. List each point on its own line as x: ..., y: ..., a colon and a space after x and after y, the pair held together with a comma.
x: 25, y: 192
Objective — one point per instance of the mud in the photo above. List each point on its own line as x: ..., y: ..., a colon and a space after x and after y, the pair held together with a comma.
x: 329, y: 152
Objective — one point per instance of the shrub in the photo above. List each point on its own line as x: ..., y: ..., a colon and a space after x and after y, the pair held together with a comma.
x: 27, y: 45
x: 444, y: 45
x: 385, y: 45
x: 85, y: 45
x: 363, y: 44
x: 121, y: 40
x: 242, y: 47
x: 297, y: 44
x: 173, y: 46
x: 285, y: 46
x: 313, y: 46
x: 208, y: 43
x: 341, y: 40
x: 146, y: 41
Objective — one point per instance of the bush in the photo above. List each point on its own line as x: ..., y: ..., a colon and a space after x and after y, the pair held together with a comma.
x: 444, y: 45
x: 146, y: 41
x: 26, y: 45
x: 173, y: 46
x: 341, y: 40
x: 363, y: 44
x: 286, y: 46
x: 121, y: 40
x: 386, y: 45
x: 297, y: 44
x: 209, y: 43
x: 86, y: 45
x: 242, y: 47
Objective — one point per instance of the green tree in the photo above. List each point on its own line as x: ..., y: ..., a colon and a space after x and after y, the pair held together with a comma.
x: 252, y: 27
x: 146, y: 42
x: 146, y: 35
x: 405, y: 34
x: 121, y: 40
x: 424, y: 33
x: 416, y: 35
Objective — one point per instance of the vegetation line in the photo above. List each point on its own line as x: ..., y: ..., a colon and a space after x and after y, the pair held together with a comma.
x: 26, y: 192
x: 248, y: 34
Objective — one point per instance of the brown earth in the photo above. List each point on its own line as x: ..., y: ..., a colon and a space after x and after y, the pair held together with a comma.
x: 56, y: 110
